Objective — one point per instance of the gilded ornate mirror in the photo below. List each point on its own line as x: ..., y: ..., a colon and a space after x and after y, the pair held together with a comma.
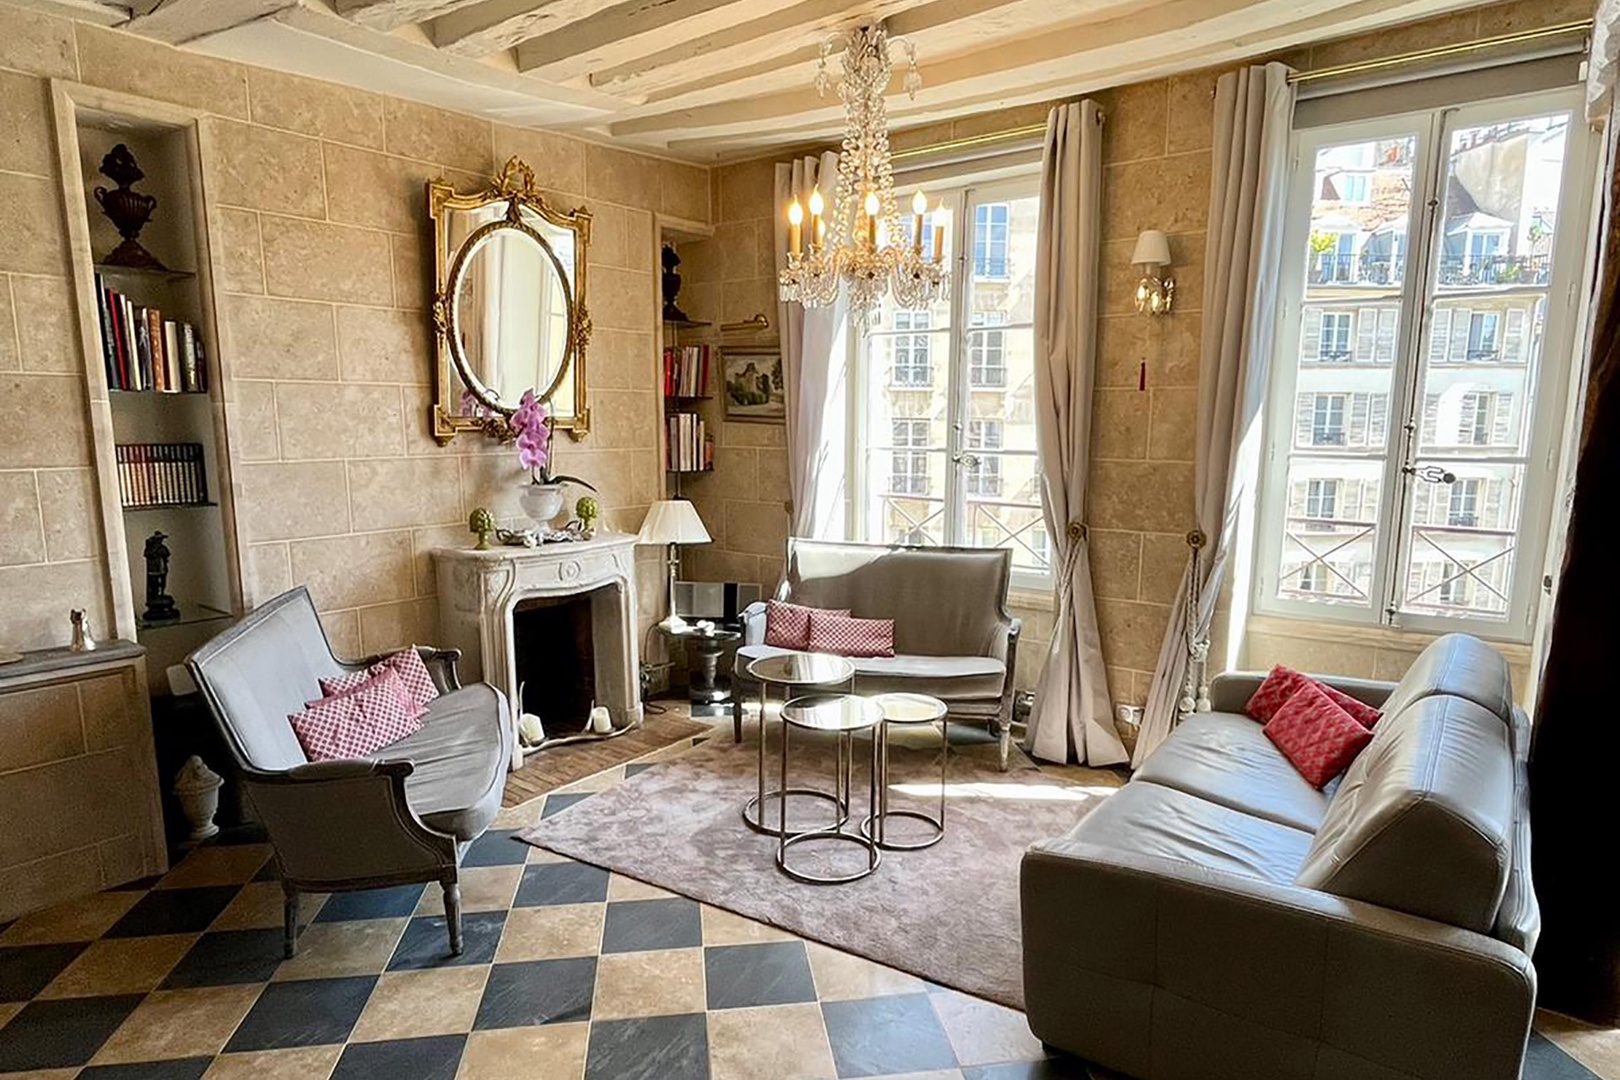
x: 508, y: 305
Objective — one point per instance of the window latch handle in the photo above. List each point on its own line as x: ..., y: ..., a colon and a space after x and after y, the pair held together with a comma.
x: 969, y: 460
x: 1433, y: 474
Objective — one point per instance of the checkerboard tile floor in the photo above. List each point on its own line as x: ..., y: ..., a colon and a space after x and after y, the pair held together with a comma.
x: 569, y: 973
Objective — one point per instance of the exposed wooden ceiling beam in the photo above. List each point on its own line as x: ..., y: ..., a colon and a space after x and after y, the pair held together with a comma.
x: 492, y: 25
x: 389, y: 14
x: 632, y: 29
x: 180, y: 21
x: 101, y: 13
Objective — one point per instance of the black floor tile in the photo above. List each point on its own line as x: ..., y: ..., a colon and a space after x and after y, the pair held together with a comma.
x: 433, y: 1058
x: 561, y: 883
x: 497, y: 847
x: 642, y: 925
x: 224, y: 957
x: 649, y: 1048
x: 556, y: 804
x: 268, y: 872
x: 537, y: 992
x: 876, y: 1036
x: 25, y: 970
x: 391, y: 903
x: 177, y: 1069
x: 138, y: 885
x: 426, y: 942
x: 309, y: 1012
x: 1543, y: 1060
x: 174, y: 911
x: 742, y: 976
x: 61, y: 1034
x: 1058, y: 1068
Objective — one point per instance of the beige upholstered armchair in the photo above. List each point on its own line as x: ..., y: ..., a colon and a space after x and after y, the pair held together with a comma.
x: 953, y: 637
x: 403, y: 815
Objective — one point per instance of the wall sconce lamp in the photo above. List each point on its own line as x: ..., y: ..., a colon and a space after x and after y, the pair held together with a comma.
x: 1156, y: 292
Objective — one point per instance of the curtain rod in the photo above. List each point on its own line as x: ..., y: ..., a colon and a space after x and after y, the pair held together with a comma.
x: 1441, y: 51
x: 1438, y: 52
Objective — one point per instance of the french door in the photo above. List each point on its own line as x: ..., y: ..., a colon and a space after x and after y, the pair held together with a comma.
x: 1428, y: 316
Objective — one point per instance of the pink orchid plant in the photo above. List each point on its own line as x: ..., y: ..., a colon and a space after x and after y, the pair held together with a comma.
x: 531, y: 423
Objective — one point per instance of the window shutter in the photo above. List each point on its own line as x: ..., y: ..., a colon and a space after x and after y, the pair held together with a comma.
x: 1490, y: 514
x: 1357, y: 434
x: 1513, y: 351
x: 1422, y: 504
x: 1378, y: 420
x: 1458, y: 349
x: 1384, y: 348
x: 1366, y: 333
x: 1431, y: 415
x: 1296, y: 498
x: 1502, y: 422
x: 1304, y: 406
x: 1439, y: 335
x: 1467, y: 412
x: 1310, y: 347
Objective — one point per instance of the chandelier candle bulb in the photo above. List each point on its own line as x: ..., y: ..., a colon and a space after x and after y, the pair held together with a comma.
x: 795, y: 219
x: 919, y: 206
x: 939, y: 232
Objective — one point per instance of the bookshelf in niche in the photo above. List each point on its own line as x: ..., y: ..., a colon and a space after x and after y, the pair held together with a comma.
x: 688, y: 381
x: 149, y: 334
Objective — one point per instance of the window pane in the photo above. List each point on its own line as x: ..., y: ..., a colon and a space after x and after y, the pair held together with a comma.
x: 1330, y: 530
x: 1360, y: 211
x: 1001, y: 286
x: 1501, y: 211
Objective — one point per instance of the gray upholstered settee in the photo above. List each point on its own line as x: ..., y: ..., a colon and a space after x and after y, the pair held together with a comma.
x: 403, y: 815
x: 953, y: 637
x: 1218, y: 916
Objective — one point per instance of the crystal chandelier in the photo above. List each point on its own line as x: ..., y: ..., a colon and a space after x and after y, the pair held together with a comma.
x: 861, y: 248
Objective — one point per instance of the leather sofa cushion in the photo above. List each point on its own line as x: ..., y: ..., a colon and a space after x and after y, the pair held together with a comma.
x: 1149, y: 819
x: 1461, y: 666
x: 949, y: 678
x: 460, y: 757
x: 1423, y: 820
x: 1226, y: 759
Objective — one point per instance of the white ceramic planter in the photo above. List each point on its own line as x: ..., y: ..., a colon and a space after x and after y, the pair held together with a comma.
x: 542, y: 502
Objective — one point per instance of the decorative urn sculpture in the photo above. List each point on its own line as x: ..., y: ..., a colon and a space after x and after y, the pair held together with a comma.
x: 127, y: 209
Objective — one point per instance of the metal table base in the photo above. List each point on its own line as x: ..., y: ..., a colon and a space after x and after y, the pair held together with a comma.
x: 874, y: 825
x: 842, y: 784
x: 753, y: 812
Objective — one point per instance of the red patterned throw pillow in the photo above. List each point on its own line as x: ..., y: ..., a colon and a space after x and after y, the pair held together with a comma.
x: 1284, y: 682
x: 377, y: 713
x: 843, y: 635
x: 1316, y: 736
x: 407, y: 663
x: 787, y: 626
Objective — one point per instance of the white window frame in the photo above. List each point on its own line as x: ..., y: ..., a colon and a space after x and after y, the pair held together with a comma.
x: 919, y: 337
x: 1548, y: 406
x: 962, y: 201
x: 1344, y: 355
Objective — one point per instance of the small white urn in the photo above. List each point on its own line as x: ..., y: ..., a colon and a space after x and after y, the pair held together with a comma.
x: 542, y: 502
x: 197, y: 786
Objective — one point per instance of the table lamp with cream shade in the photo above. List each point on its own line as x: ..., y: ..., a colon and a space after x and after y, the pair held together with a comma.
x: 673, y: 522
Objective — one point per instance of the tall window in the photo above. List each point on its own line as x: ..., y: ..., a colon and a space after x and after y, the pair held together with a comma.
x: 1463, y: 332
x: 912, y: 366
x: 968, y: 474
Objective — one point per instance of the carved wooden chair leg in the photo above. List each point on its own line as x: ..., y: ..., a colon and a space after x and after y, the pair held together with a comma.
x: 452, y: 915
x: 289, y: 915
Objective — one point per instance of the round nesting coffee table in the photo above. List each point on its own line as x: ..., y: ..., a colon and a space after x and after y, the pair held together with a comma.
x: 841, y: 715
x: 906, y: 710
x: 792, y: 671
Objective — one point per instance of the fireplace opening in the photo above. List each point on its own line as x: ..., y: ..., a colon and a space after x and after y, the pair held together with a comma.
x: 556, y: 660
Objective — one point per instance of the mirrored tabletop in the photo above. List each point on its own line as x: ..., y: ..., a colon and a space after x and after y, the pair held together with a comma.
x: 832, y: 712
x: 801, y: 669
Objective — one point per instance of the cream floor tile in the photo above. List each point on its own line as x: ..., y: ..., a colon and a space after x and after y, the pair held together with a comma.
x: 10, y: 1009
x: 520, y: 816
x: 84, y: 919
x: 940, y: 1074
x: 842, y: 976
x: 303, y: 1063
x: 1596, y: 1048
x: 179, y: 1024
x: 660, y: 982
x: 483, y: 888
x: 230, y: 865
x: 551, y: 1052
x: 721, y: 927
x: 982, y: 1032
x: 259, y: 906
x: 540, y: 855
x: 406, y: 1004
x: 551, y: 932
x: 777, y: 1042
x: 120, y: 966
x: 359, y: 947
x: 628, y: 888
x: 601, y: 781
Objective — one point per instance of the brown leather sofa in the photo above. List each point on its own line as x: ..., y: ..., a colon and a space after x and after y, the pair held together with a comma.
x: 1218, y: 917
x: 953, y: 637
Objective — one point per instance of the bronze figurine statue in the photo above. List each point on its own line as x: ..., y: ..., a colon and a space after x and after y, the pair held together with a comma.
x: 160, y: 605
x: 127, y: 209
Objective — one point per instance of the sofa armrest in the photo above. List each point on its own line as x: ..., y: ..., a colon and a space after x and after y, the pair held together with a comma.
x: 1154, y: 966
x: 1231, y: 690
x: 381, y: 837
x: 753, y: 623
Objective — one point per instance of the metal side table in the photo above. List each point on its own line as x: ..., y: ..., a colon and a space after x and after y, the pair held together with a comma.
x: 842, y: 715
x: 792, y: 671
x: 906, y: 710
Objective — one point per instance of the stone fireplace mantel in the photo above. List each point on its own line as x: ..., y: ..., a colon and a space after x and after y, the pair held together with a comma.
x: 479, y: 591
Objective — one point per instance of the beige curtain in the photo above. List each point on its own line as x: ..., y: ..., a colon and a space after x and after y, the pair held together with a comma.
x: 815, y: 363
x: 1248, y: 195
x: 1071, y: 720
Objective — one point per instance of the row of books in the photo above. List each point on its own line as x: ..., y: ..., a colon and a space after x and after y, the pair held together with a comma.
x: 686, y: 371
x: 161, y: 474
x: 142, y: 350
x: 687, y: 443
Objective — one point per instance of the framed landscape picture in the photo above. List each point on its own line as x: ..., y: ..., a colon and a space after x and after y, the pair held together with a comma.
x: 753, y: 386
